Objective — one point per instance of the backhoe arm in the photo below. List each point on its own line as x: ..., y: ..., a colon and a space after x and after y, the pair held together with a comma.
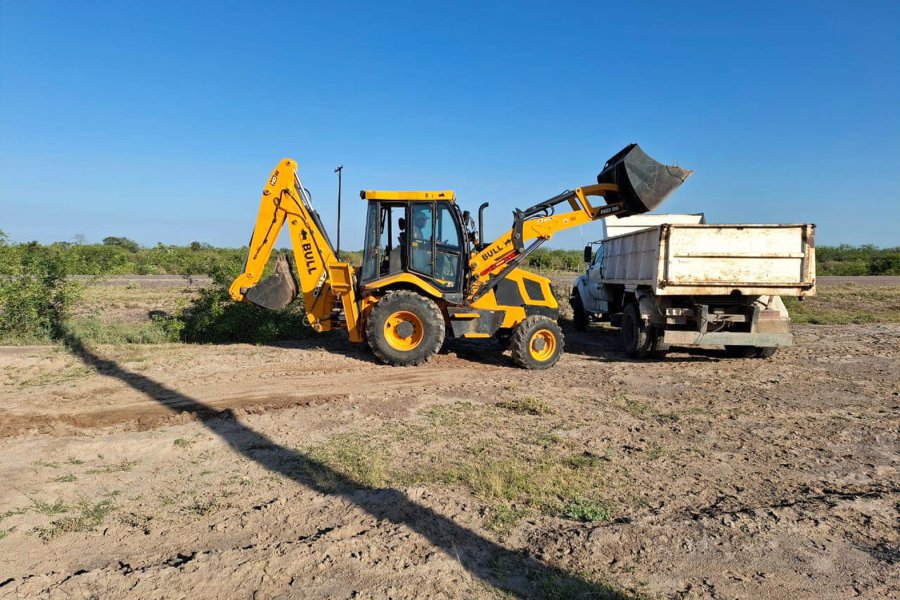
x: 322, y: 277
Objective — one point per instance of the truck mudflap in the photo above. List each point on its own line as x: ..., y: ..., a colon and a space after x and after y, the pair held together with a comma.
x: 725, y: 338
x: 643, y: 183
x: 276, y: 291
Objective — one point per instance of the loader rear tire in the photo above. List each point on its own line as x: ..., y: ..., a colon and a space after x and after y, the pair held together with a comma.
x: 405, y: 328
x: 537, y: 343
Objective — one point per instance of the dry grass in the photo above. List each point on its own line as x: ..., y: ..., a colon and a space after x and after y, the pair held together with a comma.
x: 516, y: 471
x: 848, y: 304
x: 89, y: 515
x: 119, y: 467
x: 27, y: 379
x: 527, y: 406
x: 109, y: 301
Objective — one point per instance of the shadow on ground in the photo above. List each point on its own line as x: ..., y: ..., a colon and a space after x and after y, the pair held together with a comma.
x: 521, y: 576
x: 605, y: 345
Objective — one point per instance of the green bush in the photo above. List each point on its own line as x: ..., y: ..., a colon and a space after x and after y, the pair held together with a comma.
x: 857, y: 260
x: 123, y: 258
x: 213, y: 317
x: 35, y: 294
x: 546, y: 259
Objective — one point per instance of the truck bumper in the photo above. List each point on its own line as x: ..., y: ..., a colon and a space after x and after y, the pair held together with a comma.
x: 696, y: 338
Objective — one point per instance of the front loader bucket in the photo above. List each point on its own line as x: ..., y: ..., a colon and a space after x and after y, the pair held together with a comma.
x: 643, y: 183
x: 277, y: 290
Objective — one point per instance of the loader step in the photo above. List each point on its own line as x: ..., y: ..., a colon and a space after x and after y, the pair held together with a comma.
x: 469, y: 322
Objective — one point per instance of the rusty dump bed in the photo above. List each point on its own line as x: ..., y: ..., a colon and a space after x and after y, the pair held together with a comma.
x: 681, y: 259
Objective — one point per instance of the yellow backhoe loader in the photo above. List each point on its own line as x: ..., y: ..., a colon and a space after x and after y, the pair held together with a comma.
x: 426, y: 271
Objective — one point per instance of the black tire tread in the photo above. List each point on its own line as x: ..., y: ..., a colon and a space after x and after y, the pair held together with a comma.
x: 644, y: 344
x: 431, y: 317
x: 579, y: 315
x: 518, y: 343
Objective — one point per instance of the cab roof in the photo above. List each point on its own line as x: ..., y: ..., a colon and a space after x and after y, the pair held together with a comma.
x: 408, y: 196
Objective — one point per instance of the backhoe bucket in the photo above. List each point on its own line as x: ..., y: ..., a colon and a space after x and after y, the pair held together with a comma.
x: 278, y: 290
x: 643, y: 183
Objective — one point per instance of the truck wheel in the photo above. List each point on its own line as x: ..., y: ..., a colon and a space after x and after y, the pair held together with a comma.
x: 741, y: 351
x: 660, y: 348
x: 636, y: 336
x: 579, y: 316
x: 537, y: 343
x: 405, y: 328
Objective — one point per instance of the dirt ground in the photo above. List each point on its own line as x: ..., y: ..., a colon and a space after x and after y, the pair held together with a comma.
x: 308, y: 470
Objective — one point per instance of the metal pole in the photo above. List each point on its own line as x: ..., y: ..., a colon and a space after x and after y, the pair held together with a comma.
x: 339, y: 171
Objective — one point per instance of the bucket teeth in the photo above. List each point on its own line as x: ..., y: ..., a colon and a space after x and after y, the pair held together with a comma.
x: 278, y: 290
x: 643, y: 183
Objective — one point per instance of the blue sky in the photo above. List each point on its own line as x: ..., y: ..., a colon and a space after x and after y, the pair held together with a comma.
x: 161, y: 120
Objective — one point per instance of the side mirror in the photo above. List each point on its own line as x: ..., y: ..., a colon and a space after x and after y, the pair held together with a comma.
x: 587, y: 253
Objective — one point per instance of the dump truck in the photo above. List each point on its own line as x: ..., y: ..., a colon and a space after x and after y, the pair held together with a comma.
x: 426, y: 272
x: 690, y: 283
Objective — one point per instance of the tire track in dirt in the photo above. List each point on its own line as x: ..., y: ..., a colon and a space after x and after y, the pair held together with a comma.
x: 178, y: 561
x: 272, y: 389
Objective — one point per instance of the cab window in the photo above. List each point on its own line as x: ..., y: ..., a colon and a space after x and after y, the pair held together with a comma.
x: 447, y: 249
x: 448, y: 233
x: 421, y: 239
x: 385, y: 251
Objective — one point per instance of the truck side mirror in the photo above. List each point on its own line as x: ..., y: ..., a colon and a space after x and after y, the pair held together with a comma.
x: 587, y: 253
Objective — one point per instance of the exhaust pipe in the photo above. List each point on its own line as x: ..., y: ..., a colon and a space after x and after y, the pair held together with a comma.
x: 481, y: 208
x: 643, y: 183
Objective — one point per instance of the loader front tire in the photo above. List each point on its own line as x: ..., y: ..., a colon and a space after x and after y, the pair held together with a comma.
x: 537, y: 343
x: 405, y: 328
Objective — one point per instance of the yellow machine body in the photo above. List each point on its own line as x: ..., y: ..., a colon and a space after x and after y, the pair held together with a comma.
x: 423, y: 257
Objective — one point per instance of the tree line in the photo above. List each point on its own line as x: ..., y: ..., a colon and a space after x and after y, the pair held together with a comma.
x: 122, y: 256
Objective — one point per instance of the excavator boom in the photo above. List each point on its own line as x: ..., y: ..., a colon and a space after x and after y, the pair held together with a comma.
x: 325, y: 283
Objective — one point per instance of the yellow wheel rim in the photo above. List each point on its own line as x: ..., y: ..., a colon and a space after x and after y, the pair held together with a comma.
x: 403, y: 330
x: 542, y: 345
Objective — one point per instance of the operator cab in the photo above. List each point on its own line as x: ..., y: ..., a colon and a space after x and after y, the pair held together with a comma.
x: 420, y: 233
